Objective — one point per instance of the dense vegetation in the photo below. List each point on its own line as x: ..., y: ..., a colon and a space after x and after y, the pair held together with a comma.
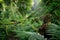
x: 19, y: 20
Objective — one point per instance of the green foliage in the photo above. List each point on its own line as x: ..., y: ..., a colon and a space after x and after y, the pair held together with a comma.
x: 24, y: 5
x: 53, y: 30
x: 29, y: 36
x: 26, y: 26
x: 7, y: 2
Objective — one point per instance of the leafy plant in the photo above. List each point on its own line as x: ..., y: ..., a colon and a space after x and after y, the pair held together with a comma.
x: 18, y: 21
